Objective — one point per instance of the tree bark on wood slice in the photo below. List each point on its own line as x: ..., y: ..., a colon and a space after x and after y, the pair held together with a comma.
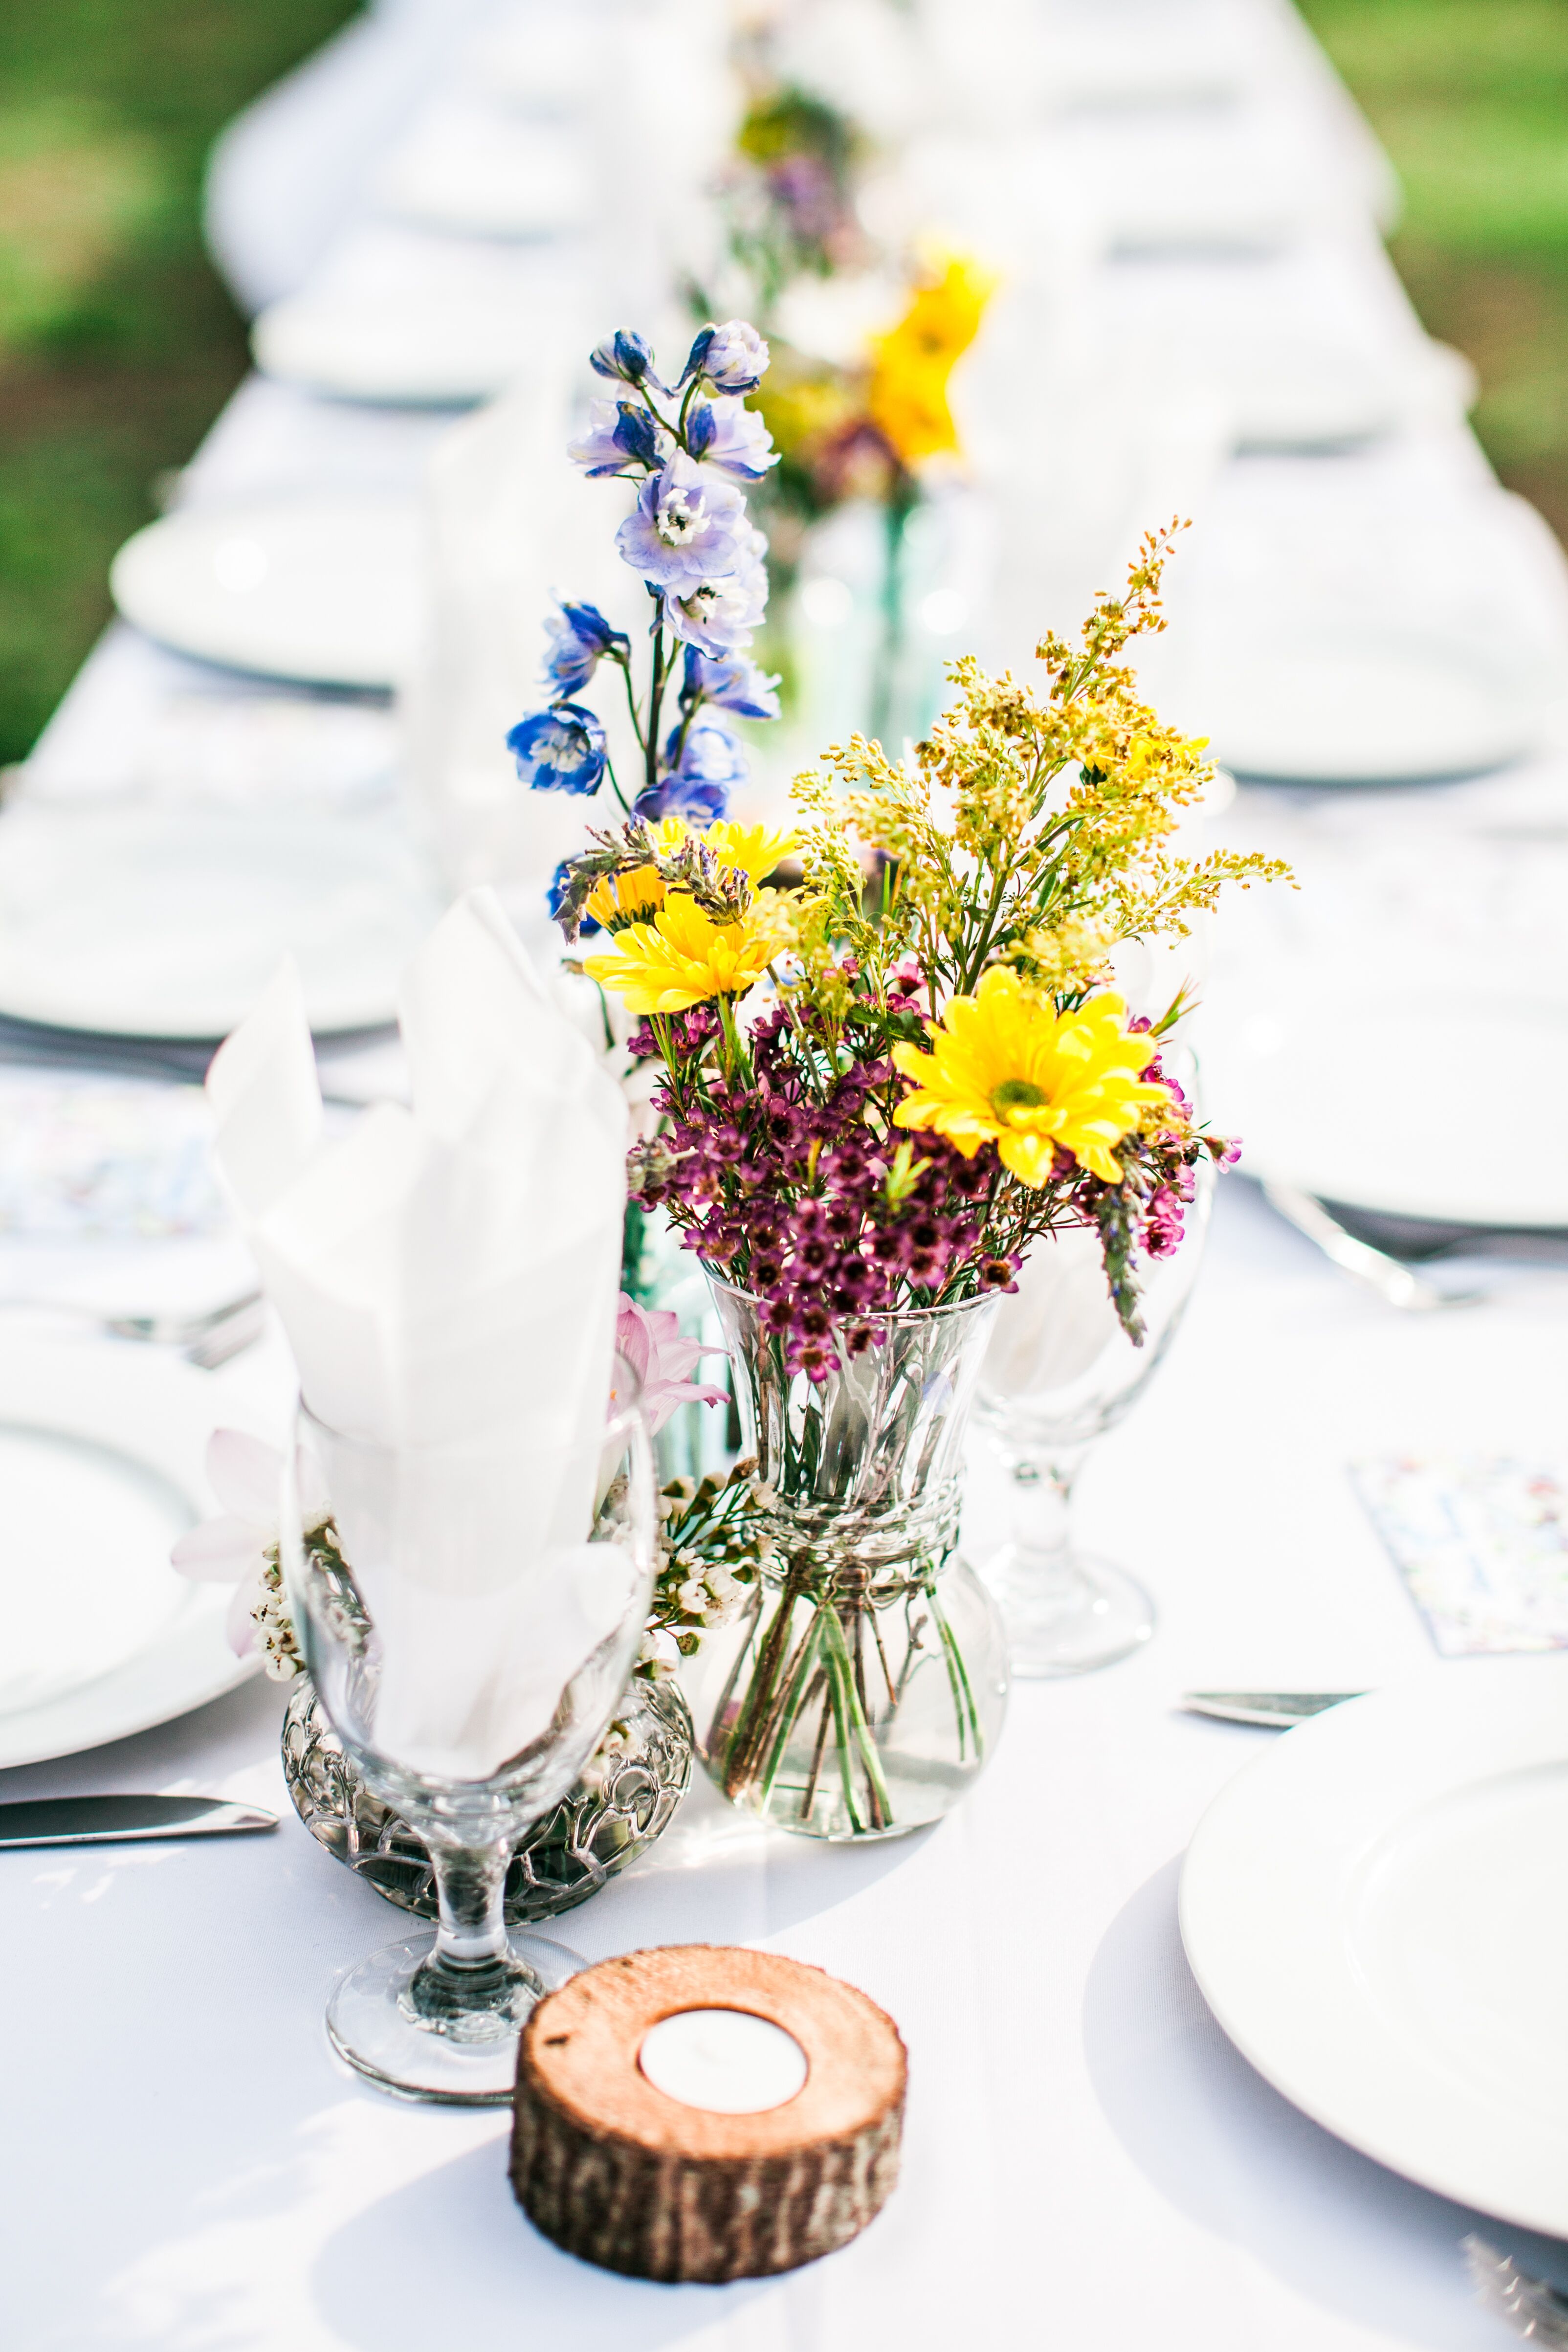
x: 620, y: 2174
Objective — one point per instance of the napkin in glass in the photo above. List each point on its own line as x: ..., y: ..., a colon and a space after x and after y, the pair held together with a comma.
x: 447, y: 1275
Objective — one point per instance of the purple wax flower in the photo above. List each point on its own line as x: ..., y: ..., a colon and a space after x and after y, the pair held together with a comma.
x: 731, y: 683
x: 1163, y: 1224
x: 686, y: 530
x: 731, y: 437
x: 580, y: 639
x: 561, y: 749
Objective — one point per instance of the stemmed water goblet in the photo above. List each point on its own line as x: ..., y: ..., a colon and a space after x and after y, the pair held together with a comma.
x: 469, y: 1612
x: 1058, y: 1371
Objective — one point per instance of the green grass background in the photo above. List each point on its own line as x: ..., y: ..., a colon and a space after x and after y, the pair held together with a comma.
x: 1470, y: 98
x: 118, y: 344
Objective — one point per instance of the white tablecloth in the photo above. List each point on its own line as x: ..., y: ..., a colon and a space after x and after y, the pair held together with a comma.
x: 1088, y: 2161
x: 1089, y: 2164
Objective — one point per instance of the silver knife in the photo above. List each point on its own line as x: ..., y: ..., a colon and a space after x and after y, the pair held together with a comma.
x: 116, y: 1821
x: 1275, y: 1710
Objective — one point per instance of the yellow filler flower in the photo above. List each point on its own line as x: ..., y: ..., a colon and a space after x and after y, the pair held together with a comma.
x: 683, y: 957
x: 1006, y: 1069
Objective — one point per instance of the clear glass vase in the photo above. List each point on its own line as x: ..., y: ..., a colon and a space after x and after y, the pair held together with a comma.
x: 863, y: 1689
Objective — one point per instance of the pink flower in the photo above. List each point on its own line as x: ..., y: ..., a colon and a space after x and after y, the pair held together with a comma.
x: 240, y: 1546
x: 661, y: 1357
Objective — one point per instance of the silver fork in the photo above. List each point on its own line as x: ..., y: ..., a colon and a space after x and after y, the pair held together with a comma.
x: 207, y: 1338
x: 1395, y: 1281
x: 1531, y: 2307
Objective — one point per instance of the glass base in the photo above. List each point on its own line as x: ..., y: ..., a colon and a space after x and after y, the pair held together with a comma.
x: 1068, y: 1616
x: 470, y: 2061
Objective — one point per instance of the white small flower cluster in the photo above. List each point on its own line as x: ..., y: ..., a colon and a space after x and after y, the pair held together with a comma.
x: 606, y: 1758
x: 710, y: 1562
x: 274, y: 1626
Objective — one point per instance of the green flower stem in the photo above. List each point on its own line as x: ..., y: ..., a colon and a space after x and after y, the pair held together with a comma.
x: 797, y: 1690
x: 842, y: 1741
x: 958, y: 1680
x: 842, y: 1668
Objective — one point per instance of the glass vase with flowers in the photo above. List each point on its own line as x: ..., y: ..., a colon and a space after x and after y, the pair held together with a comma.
x: 879, y: 1089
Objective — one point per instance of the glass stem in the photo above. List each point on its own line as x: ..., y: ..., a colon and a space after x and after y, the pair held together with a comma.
x: 1040, y: 1496
x: 469, y: 1985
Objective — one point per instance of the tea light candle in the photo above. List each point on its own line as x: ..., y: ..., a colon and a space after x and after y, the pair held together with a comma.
x: 705, y: 2114
x: 725, y: 2059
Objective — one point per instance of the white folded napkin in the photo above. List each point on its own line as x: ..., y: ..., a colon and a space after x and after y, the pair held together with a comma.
x: 448, y: 1275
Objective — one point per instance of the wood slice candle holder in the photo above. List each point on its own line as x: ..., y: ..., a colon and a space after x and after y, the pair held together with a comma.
x: 620, y: 2174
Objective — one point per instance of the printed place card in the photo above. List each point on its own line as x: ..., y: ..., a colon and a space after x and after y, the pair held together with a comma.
x: 1481, y: 1544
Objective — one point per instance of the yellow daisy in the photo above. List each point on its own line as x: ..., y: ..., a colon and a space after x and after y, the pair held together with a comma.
x: 683, y: 957
x: 1006, y: 1069
x: 753, y: 850
x: 618, y: 896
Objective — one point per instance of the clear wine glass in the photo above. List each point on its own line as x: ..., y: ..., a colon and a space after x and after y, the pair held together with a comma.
x: 469, y: 1614
x: 1058, y: 1371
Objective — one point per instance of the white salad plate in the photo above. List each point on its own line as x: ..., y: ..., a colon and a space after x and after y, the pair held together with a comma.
x: 101, y: 1457
x: 168, y: 920
x: 1377, y: 1912
x: 1338, y: 1097
x: 322, y: 591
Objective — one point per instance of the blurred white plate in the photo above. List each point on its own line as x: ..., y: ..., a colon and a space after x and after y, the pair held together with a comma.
x: 1356, y: 1100
x: 1377, y: 1912
x: 169, y: 922
x: 486, y: 173
x: 1333, y: 703
x: 321, y: 590
x: 418, y: 350
x: 100, y: 1461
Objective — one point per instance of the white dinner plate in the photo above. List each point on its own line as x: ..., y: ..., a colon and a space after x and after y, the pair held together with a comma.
x: 419, y: 350
x: 1377, y: 1912
x: 100, y: 1463
x: 322, y: 591
x: 1339, y: 1097
x: 168, y: 921
x: 481, y: 172
x: 1324, y: 703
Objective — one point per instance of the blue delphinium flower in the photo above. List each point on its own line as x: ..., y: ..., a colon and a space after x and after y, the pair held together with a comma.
x: 726, y: 434
x: 621, y: 439
x: 625, y: 359
x: 718, y: 615
x: 561, y: 749
x: 733, y: 357
x: 685, y: 529
x: 730, y: 682
x: 580, y: 639
x: 700, y: 773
